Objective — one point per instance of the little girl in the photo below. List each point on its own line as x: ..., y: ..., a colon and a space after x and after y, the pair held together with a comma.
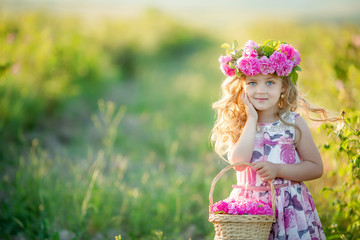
x: 256, y: 123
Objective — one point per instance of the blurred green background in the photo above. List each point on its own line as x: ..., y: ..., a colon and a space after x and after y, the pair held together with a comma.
x: 105, y: 112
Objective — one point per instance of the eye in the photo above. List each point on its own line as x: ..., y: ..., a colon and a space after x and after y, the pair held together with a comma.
x: 269, y: 83
x: 251, y: 83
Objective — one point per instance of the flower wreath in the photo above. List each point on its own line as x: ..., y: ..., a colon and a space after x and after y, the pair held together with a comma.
x: 269, y: 58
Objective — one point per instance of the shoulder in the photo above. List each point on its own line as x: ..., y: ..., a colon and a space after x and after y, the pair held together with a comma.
x: 290, y: 116
x: 293, y: 115
x: 302, y: 128
x: 300, y: 122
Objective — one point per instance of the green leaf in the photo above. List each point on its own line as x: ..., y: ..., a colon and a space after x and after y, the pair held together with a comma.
x: 268, y: 50
x: 355, y: 119
x: 347, y: 132
x: 297, y: 68
x: 277, y: 44
x: 219, y: 212
x: 235, y: 44
x: 344, y: 145
x: 241, y: 51
x: 356, y: 161
x: 237, y: 54
x: 238, y: 73
x: 294, y: 76
x: 327, y: 189
x: 260, y: 51
x: 268, y: 42
x: 348, y: 120
x: 273, y: 44
x: 225, y: 45
x: 232, y: 65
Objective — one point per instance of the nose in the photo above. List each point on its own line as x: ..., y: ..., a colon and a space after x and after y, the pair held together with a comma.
x: 261, y: 89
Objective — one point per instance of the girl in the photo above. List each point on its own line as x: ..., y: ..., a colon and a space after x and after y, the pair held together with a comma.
x: 256, y: 123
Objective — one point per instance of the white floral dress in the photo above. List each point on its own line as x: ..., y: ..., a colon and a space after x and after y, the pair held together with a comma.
x: 296, y: 215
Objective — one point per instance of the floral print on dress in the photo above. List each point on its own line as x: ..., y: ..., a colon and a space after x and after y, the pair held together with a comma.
x: 296, y: 215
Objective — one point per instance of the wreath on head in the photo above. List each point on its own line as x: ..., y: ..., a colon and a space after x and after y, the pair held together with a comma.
x: 272, y: 57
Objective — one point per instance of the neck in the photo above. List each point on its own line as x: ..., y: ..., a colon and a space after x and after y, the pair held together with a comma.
x: 267, y: 116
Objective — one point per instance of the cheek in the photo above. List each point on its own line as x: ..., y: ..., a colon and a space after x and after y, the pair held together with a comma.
x: 249, y: 89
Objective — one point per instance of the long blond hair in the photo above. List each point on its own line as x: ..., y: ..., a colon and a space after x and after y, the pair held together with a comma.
x: 231, y: 114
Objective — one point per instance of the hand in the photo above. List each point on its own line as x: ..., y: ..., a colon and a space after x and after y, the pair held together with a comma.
x: 267, y: 170
x: 250, y: 110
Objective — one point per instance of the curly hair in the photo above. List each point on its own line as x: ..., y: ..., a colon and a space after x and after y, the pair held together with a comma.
x: 231, y: 114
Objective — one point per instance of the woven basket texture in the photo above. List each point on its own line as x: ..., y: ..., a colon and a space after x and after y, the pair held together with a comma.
x: 240, y: 227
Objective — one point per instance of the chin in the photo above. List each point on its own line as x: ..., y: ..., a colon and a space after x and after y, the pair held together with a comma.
x: 260, y: 109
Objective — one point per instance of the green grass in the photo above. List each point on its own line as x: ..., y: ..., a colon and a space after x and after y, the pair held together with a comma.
x: 128, y: 153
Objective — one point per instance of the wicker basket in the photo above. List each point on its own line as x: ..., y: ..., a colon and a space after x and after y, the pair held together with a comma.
x: 237, y: 227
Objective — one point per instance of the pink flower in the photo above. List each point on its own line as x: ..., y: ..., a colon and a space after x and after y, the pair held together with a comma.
x: 220, y: 206
x: 228, y: 71
x: 287, y: 49
x: 286, y: 68
x: 278, y: 60
x: 250, y: 49
x: 296, y: 58
x: 241, y: 207
x: 265, y: 66
x: 282, y: 65
x: 249, y: 66
x: 291, y: 53
x: 224, y: 59
x: 224, y: 67
x: 248, y: 62
x: 251, y: 43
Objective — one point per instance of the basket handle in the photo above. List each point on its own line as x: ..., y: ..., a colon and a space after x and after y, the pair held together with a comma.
x: 225, y: 170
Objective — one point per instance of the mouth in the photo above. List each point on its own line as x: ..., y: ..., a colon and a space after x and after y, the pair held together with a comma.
x: 261, y: 99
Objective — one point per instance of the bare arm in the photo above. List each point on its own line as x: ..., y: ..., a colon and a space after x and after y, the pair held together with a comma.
x: 310, y: 168
x: 242, y: 150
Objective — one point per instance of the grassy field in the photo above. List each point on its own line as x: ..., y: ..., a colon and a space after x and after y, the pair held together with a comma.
x: 105, y: 129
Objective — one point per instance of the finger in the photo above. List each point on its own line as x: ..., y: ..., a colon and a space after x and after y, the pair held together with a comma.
x: 266, y: 175
x: 243, y: 99
x: 258, y: 165
x: 263, y: 173
x: 268, y: 179
x: 246, y: 98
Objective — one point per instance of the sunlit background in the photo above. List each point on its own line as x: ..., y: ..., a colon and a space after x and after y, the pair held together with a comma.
x: 105, y: 112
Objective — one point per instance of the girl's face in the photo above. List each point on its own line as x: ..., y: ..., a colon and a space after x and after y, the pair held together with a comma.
x: 264, y: 91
